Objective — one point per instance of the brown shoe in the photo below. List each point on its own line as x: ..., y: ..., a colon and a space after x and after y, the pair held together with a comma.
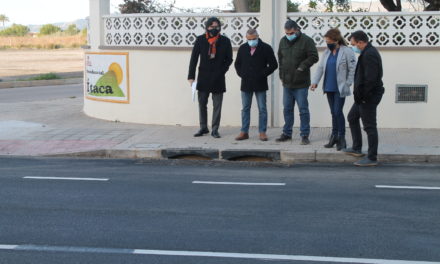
x: 242, y: 136
x: 263, y: 137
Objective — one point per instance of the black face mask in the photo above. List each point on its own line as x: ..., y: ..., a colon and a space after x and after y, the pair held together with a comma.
x: 331, y: 46
x: 214, y: 32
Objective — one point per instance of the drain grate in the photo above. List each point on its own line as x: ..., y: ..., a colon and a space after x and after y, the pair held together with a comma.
x: 411, y: 93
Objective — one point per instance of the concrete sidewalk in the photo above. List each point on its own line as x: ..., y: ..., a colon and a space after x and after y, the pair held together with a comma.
x: 60, y: 128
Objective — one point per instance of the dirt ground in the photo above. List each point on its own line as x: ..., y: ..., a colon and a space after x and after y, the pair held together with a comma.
x: 25, y: 62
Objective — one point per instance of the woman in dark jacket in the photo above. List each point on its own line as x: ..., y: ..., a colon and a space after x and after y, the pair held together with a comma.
x: 215, y: 53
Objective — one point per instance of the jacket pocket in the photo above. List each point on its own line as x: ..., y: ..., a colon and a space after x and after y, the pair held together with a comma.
x: 299, y: 77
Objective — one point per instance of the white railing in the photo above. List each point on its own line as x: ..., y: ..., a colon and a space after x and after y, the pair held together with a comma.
x: 171, y: 30
x: 390, y: 29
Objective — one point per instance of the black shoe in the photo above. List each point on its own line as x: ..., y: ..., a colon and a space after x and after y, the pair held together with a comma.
x: 215, y: 134
x: 331, y: 142
x: 341, y: 144
x: 201, y: 132
x: 305, y: 140
x: 366, y: 162
x: 283, y: 138
x: 353, y: 152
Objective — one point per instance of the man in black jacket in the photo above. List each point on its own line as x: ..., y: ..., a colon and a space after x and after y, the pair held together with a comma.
x: 254, y: 63
x: 368, y: 91
x: 215, y: 52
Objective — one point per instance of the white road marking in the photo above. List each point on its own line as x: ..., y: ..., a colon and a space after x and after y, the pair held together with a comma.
x: 407, y: 187
x: 8, y: 246
x: 64, y: 178
x: 240, y: 183
x: 208, y: 254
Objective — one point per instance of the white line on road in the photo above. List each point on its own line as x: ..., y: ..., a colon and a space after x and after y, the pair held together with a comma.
x: 407, y: 187
x: 208, y: 254
x: 240, y: 183
x: 64, y: 178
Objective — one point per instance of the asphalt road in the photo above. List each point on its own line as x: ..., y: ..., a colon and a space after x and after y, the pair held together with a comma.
x: 304, y: 214
x: 43, y: 93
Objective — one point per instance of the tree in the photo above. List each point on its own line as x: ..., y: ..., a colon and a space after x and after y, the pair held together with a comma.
x: 146, y: 6
x: 433, y: 5
x: 84, y: 32
x: 49, y: 29
x: 396, y: 5
x: 3, y: 19
x: 243, y: 6
x: 15, y: 30
x: 72, y: 30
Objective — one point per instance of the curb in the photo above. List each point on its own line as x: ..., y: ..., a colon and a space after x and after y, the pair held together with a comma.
x: 21, y: 84
x: 286, y: 157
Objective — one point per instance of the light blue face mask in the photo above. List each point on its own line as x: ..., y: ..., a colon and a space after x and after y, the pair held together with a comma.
x: 291, y: 37
x: 356, y: 49
x: 253, y: 43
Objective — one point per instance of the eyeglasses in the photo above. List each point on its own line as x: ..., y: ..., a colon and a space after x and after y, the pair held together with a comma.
x: 290, y: 33
x: 210, y: 27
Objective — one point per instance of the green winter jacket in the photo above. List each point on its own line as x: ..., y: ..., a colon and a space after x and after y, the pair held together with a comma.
x: 295, y: 59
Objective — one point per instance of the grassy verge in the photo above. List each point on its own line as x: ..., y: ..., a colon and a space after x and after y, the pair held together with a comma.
x: 46, y: 76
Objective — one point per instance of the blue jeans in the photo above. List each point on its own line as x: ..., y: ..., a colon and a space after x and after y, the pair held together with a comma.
x: 289, y: 98
x: 246, y: 99
x: 336, y: 103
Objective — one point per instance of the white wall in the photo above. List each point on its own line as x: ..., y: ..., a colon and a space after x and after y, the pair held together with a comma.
x: 160, y: 93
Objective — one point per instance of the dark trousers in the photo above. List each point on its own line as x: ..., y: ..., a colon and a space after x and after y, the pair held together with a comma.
x: 367, y: 113
x: 336, y: 103
x: 217, y: 99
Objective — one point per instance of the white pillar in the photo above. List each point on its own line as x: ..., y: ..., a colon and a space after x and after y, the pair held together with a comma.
x: 273, y: 14
x: 97, y: 9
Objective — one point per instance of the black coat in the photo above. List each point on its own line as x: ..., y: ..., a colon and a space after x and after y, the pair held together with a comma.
x: 254, y: 69
x: 368, y: 85
x: 211, y: 77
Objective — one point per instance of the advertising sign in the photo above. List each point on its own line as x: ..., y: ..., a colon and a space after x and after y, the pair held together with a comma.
x: 106, y: 77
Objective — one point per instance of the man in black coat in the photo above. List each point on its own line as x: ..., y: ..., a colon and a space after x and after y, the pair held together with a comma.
x: 254, y: 63
x: 215, y: 52
x: 368, y: 91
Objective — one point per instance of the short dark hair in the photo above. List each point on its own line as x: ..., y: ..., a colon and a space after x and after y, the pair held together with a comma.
x: 290, y: 24
x: 359, y: 36
x: 211, y: 21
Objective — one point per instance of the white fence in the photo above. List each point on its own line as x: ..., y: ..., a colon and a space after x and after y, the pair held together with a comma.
x: 171, y: 30
x: 391, y: 29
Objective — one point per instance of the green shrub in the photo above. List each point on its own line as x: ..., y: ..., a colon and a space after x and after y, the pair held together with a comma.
x: 49, y: 29
x: 71, y: 30
x: 15, y: 30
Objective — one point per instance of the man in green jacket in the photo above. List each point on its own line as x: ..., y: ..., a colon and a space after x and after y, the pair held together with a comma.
x: 296, y: 54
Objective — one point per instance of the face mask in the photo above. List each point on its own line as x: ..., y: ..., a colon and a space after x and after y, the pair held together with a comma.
x: 253, y: 43
x: 356, y: 49
x: 331, y: 46
x: 214, y: 32
x: 291, y: 37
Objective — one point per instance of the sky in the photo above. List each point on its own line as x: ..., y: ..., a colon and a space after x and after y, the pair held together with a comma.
x: 36, y: 12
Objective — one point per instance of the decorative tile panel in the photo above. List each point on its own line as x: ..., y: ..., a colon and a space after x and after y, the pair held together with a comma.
x: 171, y: 30
x: 390, y: 29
